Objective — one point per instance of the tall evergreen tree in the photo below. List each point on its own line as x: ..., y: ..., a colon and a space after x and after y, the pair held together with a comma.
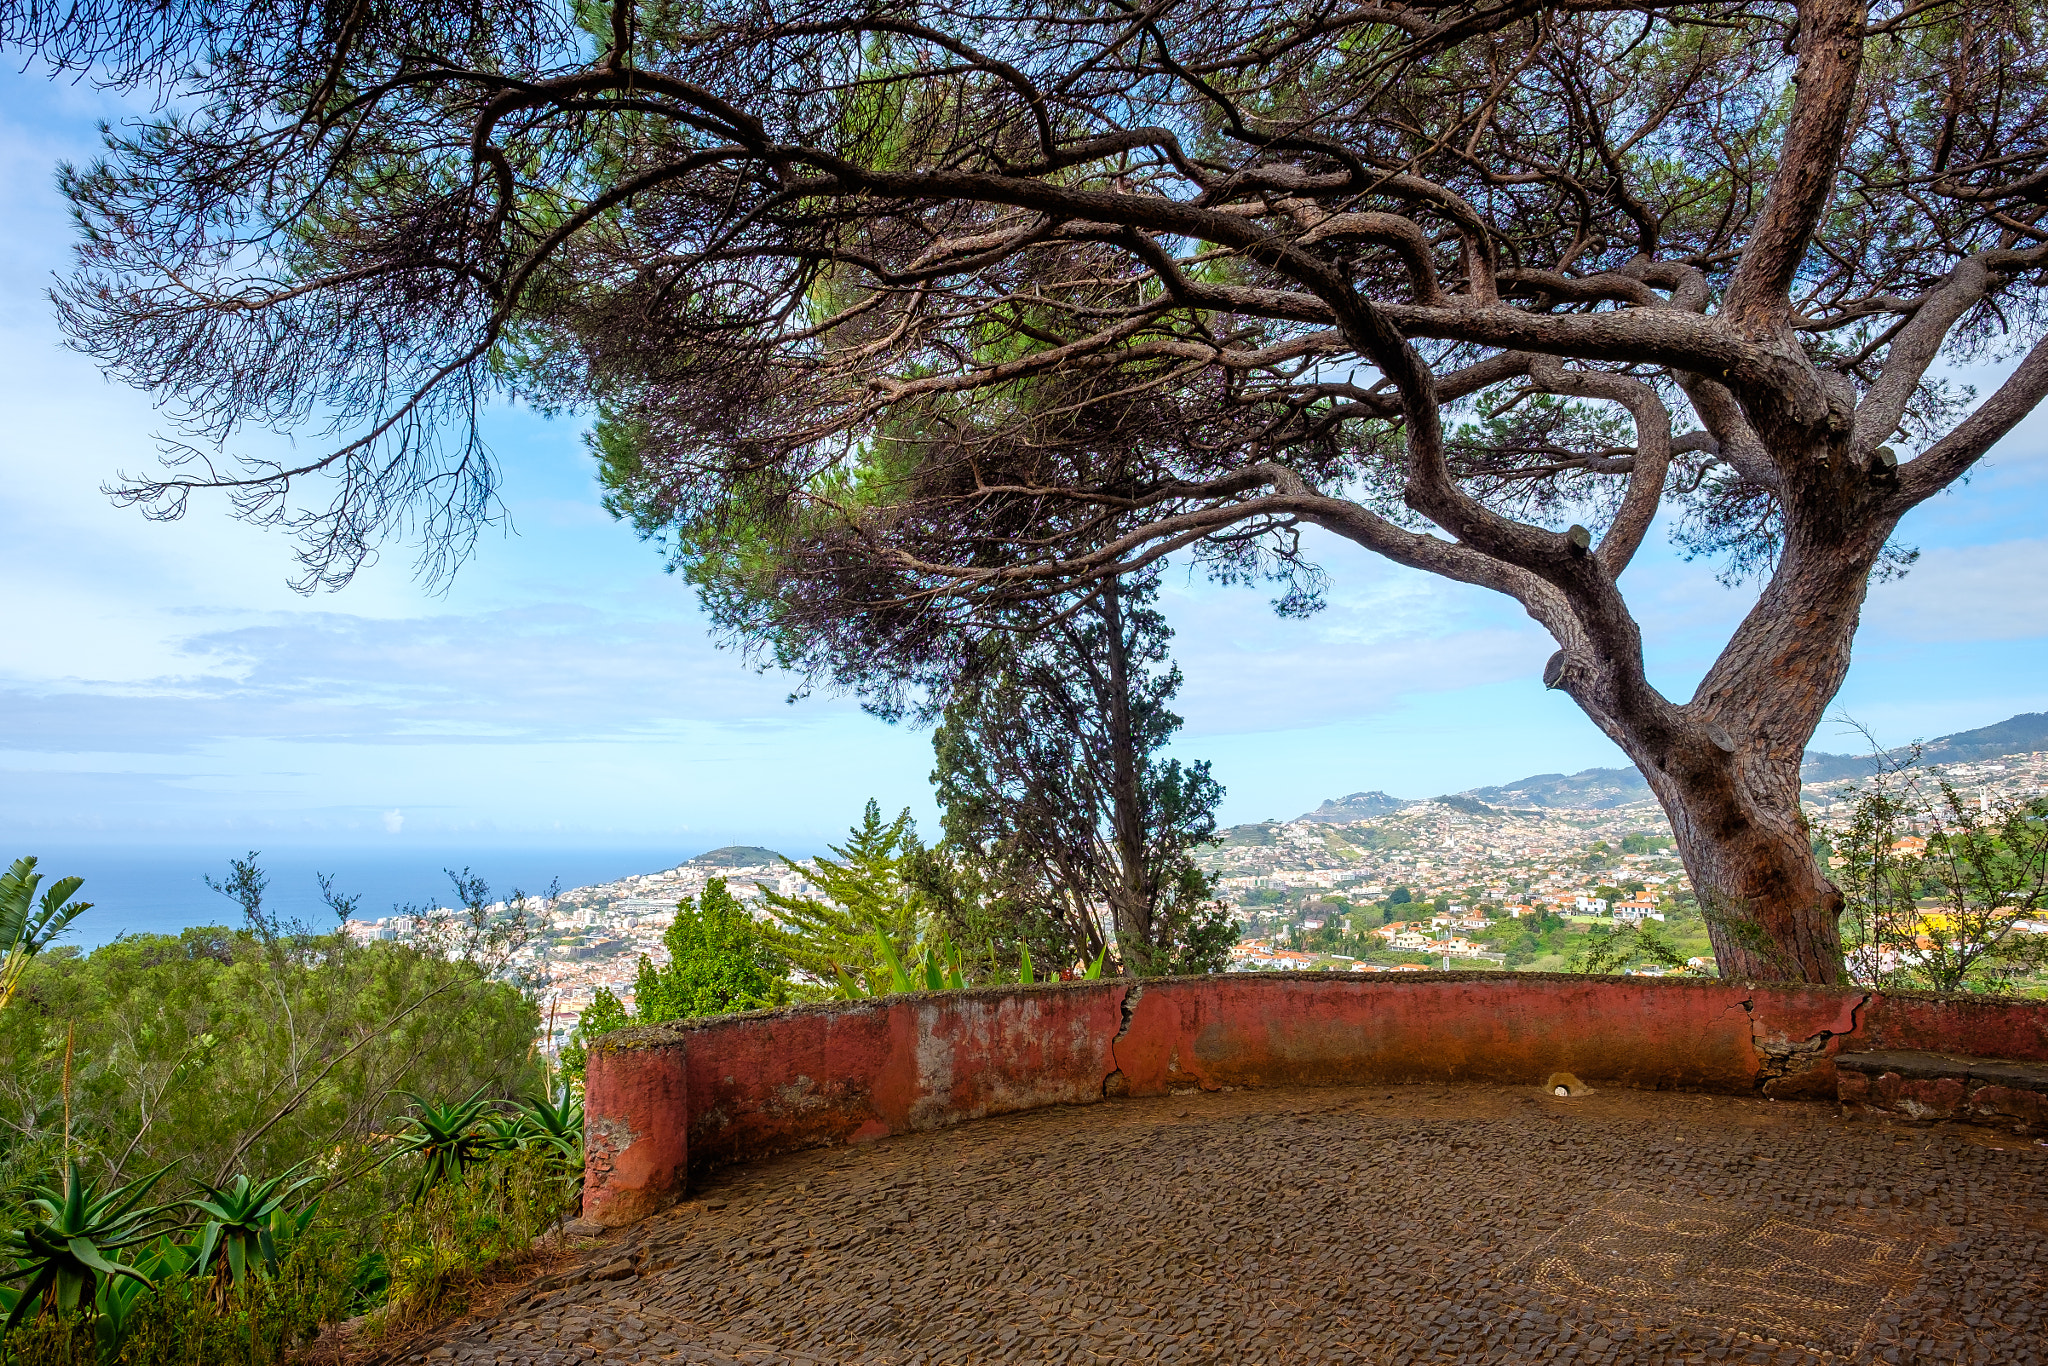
x: 1059, y: 797
x: 720, y: 959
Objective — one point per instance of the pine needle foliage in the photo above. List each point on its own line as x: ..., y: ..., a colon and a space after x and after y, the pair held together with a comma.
x: 868, y: 890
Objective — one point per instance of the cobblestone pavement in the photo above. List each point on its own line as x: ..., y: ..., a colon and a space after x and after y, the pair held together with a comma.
x: 1411, y: 1224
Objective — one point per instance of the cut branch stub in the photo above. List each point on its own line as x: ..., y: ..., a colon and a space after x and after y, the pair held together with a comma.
x: 1720, y: 737
x: 1553, y: 670
x: 1578, y: 540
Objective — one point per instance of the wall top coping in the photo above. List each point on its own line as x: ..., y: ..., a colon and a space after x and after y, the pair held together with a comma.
x: 635, y: 1037
x: 668, y: 1031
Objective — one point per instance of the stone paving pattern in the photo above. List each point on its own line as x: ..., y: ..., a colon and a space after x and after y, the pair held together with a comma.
x: 1385, y: 1225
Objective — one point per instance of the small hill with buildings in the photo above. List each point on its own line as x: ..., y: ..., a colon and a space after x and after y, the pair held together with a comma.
x: 1590, y: 789
x: 737, y: 856
x: 1356, y: 807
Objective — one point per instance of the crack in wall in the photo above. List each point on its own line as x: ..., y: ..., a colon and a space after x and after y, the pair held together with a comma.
x: 1780, y: 1059
x: 1116, y: 1083
x: 1856, y: 1011
x: 1129, y: 1006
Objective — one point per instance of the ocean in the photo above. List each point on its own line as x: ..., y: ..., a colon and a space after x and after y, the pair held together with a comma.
x: 143, y: 890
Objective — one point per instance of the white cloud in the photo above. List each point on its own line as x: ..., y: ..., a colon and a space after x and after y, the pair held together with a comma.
x: 1387, y: 633
x: 544, y: 672
x: 394, y: 822
x: 1976, y: 592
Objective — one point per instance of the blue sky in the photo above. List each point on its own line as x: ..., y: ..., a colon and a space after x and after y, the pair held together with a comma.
x: 164, y: 685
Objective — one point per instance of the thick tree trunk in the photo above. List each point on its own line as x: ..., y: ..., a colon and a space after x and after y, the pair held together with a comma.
x: 1771, y: 912
x: 1726, y: 765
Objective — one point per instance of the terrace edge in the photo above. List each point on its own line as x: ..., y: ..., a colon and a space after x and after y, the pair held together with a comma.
x: 661, y: 1100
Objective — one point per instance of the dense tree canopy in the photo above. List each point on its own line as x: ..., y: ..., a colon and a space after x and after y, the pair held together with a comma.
x: 961, y: 304
x: 720, y: 959
x: 869, y: 890
x: 228, y: 1054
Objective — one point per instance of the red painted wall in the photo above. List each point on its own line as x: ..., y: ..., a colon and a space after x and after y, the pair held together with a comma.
x: 1316, y: 1029
x: 1975, y: 1026
x: 660, y: 1098
x: 636, y: 1153
x: 774, y: 1081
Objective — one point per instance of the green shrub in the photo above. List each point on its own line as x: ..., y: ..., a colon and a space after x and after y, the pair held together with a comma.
x: 184, y: 1323
x: 720, y: 959
x: 223, y: 1054
x: 253, y: 1071
x: 488, y: 1216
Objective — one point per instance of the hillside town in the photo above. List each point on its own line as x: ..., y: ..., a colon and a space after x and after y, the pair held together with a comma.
x: 593, y: 937
x: 1434, y: 848
x: 1464, y: 866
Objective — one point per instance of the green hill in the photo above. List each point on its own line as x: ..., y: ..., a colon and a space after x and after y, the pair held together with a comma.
x: 1356, y: 807
x: 736, y: 856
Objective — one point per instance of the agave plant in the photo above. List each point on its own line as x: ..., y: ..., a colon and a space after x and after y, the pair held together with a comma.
x: 69, y: 1252
x: 556, y: 1124
x: 27, y: 925
x: 899, y: 976
x: 851, y: 988
x: 449, y: 1139
x: 244, y: 1220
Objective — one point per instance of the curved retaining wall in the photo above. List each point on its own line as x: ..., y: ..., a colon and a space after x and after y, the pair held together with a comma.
x: 662, y: 1099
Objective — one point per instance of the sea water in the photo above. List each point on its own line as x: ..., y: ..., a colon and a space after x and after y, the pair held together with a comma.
x: 146, y: 890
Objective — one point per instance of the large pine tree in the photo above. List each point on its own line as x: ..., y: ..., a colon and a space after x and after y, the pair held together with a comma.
x: 971, y: 305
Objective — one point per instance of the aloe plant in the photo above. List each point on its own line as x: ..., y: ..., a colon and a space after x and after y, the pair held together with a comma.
x: 556, y: 1124
x: 244, y: 1220
x: 505, y: 1132
x: 940, y: 967
x: 892, y: 962
x: 68, y: 1253
x: 115, y: 1303
x: 27, y: 925
x: 450, y: 1139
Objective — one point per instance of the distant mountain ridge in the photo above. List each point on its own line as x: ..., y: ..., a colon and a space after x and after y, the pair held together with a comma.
x: 1601, y: 789
x: 1594, y: 789
x: 2022, y: 734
